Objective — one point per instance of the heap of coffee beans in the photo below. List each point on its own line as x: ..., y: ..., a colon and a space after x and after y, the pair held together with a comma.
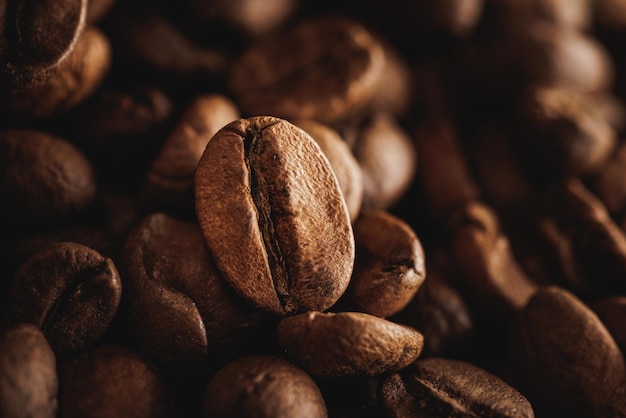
x: 320, y: 209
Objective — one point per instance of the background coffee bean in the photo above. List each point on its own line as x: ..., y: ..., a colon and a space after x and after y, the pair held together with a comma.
x: 70, y: 292
x: 262, y: 386
x: 389, y: 267
x: 111, y: 381
x: 348, y: 343
x: 252, y: 182
x: 28, y: 377
x: 439, y: 387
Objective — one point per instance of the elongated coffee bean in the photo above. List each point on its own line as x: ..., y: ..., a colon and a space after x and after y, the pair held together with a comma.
x: 274, y: 217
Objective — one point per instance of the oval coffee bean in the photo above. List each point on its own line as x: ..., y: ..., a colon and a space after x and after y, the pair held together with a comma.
x: 36, y: 35
x: 438, y: 387
x: 111, y: 382
x: 389, y: 266
x: 262, y: 386
x: 69, y: 291
x: 44, y: 179
x: 173, y: 289
x: 348, y: 343
x: 267, y: 183
x: 28, y: 376
x: 324, y: 69
x: 567, y: 362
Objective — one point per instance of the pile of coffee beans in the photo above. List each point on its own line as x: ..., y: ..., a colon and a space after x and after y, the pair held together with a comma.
x: 318, y: 209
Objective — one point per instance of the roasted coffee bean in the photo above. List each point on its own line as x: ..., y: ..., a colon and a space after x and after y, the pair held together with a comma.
x: 173, y: 289
x: 325, y: 69
x: 70, y: 83
x: 348, y: 343
x: 485, y: 262
x: 386, y: 175
x: 37, y: 36
x: 111, y: 381
x: 389, y: 267
x: 262, y: 386
x: 342, y: 161
x: 44, y: 179
x: 395, y: 88
x: 567, y: 362
x: 28, y: 376
x: 268, y: 183
x: 70, y: 292
x: 170, y: 180
x: 566, y: 130
x: 438, y: 387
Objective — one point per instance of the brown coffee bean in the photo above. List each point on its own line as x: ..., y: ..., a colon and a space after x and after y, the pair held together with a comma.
x: 170, y: 180
x: 438, y: 387
x: 585, y: 247
x: 342, y: 161
x: 110, y: 382
x: 173, y: 289
x: 70, y: 83
x: 485, y: 262
x: 35, y: 36
x: 44, y: 179
x: 610, y: 14
x: 612, y: 313
x: 267, y: 183
x: 387, y: 174
x: 568, y: 363
x: 567, y: 132
x: 262, y: 386
x: 69, y: 291
x: 389, y: 267
x: 28, y: 377
x: 394, y: 90
x: 98, y: 9
x: 324, y: 69
x: 348, y: 343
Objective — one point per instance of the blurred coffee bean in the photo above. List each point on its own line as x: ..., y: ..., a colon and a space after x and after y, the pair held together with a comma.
x: 170, y: 180
x: 323, y: 69
x: 395, y: 88
x: 567, y: 133
x: 262, y: 386
x: 388, y: 159
x: 438, y: 387
x: 609, y: 183
x: 173, y: 289
x: 110, y: 382
x: 567, y: 362
x: 268, y: 183
x: 612, y: 313
x: 28, y: 376
x: 70, y: 83
x: 44, y: 179
x: 344, y: 164
x: 389, y: 266
x: 485, y: 262
x: 512, y: 15
x: 610, y: 14
x: 348, y: 343
x: 36, y: 36
x: 98, y: 9
x: 70, y: 292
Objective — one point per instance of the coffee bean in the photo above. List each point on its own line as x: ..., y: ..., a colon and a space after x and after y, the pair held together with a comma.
x: 438, y: 387
x: 348, y: 343
x: 267, y: 182
x: 44, y: 179
x: 324, y: 69
x: 28, y: 377
x: 389, y: 267
x: 342, y: 161
x: 568, y: 363
x: 37, y: 36
x: 170, y: 180
x: 262, y: 386
x: 174, y: 290
x: 111, y: 381
x: 70, y: 292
